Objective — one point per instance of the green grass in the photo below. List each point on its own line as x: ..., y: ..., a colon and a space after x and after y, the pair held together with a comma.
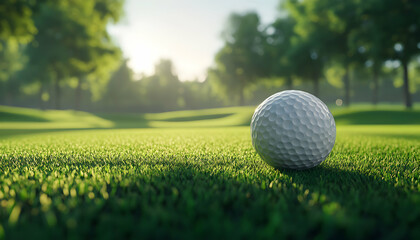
x: 30, y: 119
x: 24, y: 118
x: 368, y: 115
x: 206, y: 182
x: 218, y: 117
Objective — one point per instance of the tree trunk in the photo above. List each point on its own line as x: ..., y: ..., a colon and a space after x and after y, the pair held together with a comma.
x: 50, y: 102
x: 406, y: 87
x: 11, y: 92
x: 241, y: 95
x: 316, y: 86
x: 9, y: 96
x: 41, y: 101
x: 9, y: 99
x: 289, y: 83
x: 346, y: 80
x: 78, y: 94
x: 57, y: 93
x: 375, y: 87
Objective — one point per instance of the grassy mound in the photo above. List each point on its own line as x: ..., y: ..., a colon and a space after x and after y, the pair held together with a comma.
x: 25, y: 118
x: 383, y: 114
x: 217, y: 117
x: 30, y: 119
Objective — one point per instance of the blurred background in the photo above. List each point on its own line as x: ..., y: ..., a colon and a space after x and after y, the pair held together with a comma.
x: 162, y: 55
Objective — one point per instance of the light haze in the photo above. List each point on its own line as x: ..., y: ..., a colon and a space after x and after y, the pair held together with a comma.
x: 185, y: 31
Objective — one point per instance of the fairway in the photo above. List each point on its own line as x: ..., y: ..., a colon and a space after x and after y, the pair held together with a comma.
x: 206, y: 183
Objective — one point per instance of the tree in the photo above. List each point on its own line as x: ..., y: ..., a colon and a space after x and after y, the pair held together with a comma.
x: 373, y: 46
x: 96, y: 55
x: 121, y: 92
x: 73, y: 43
x: 278, y: 49
x: 16, y: 28
x: 309, y: 61
x: 240, y: 61
x: 161, y: 91
x: 50, y: 51
x: 198, y: 95
x: 327, y: 24
x: 310, y: 44
x: 11, y: 61
x: 385, y: 29
x: 393, y: 26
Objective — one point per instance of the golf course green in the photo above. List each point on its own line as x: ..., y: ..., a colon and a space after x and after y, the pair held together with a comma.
x: 195, y: 174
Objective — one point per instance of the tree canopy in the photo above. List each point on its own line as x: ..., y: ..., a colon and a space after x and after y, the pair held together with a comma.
x: 73, y: 43
x: 241, y: 60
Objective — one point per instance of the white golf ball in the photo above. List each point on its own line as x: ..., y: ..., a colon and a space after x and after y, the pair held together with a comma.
x: 293, y: 129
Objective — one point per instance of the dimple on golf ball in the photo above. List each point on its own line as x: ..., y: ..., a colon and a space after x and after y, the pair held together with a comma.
x: 293, y: 129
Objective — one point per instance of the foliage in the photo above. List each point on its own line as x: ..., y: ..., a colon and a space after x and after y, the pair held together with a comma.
x: 73, y: 43
x: 279, y: 38
x: 240, y: 61
x: 60, y: 52
x: 16, y: 19
x: 198, y: 95
x: 323, y: 27
x: 11, y: 61
x: 388, y: 30
x: 121, y: 92
x: 162, y: 89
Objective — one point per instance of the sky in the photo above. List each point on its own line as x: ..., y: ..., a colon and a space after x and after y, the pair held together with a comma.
x: 185, y: 31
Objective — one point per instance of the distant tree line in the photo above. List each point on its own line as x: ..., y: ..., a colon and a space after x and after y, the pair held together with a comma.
x: 58, y: 54
x: 161, y: 91
x: 319, y: 39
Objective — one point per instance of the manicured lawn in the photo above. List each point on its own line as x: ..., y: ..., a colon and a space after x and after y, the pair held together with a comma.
x: 205, y: 182
x: 22, y: 119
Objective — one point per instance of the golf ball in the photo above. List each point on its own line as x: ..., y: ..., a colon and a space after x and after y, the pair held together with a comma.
x: 293, y: 129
